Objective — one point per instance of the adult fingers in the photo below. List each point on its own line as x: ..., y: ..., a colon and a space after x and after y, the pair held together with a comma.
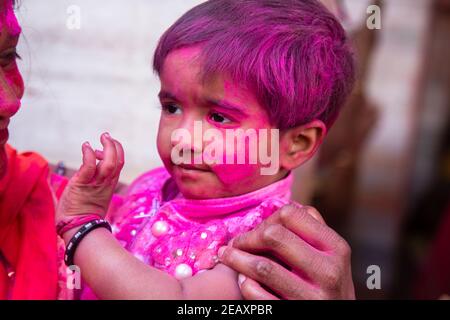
x: 286, y: 246
x: 272, y: 275
x: 252, y: 290
x: 309, y: 210
x: 301, y: 222
x: 293, y: 206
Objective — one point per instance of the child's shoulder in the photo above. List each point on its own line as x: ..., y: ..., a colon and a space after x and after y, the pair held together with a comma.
x: 152, y: 180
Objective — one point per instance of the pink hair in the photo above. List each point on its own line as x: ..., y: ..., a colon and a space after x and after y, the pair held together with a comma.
x: 292, y: 54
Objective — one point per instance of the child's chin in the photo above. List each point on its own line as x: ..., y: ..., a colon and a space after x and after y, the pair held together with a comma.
x: 193, y: 191
x: 195, y: 195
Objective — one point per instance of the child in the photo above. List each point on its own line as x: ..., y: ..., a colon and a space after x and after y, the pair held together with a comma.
x: 258, y: 66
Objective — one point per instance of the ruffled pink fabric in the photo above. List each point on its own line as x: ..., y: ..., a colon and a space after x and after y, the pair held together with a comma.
x: 196, y: 229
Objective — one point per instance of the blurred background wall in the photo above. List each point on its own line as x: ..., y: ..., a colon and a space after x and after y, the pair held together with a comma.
x: 378, y: 165
x: 80, y: 83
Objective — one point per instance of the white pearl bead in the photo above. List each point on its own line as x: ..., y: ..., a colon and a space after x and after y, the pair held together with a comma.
x: 204, y: 235
x: 160, y: 228
x: 183, y: 271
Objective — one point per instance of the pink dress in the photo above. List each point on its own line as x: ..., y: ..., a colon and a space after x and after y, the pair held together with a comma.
x: 182, y: 236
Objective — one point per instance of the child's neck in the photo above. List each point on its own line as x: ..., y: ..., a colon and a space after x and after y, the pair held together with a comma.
x: 170, y: 190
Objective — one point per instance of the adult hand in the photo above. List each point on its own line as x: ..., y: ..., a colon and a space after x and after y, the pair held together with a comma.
x: 309, y: 259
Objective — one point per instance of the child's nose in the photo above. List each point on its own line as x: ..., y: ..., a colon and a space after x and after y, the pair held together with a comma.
x: 190, y: 138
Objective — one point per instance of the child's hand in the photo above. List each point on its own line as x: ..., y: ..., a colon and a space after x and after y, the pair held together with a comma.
x: 91, y: 188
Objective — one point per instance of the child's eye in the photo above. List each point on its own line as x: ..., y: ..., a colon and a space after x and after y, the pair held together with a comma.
x: 217, y: 117
x: 171, y: 109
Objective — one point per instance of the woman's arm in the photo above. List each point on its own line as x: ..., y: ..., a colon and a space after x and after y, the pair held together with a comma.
x: 114, y: 273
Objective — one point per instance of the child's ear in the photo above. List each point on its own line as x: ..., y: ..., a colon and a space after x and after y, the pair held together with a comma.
x: 297, y: 145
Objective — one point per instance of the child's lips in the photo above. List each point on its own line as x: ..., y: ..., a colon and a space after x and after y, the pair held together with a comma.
x: 193, y: 167
x: 190, y: 171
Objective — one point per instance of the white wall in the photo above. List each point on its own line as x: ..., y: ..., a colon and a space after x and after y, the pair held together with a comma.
x: 80, y: 83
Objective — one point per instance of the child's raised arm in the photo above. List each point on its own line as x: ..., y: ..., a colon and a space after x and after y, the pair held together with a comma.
x: 110, y: 270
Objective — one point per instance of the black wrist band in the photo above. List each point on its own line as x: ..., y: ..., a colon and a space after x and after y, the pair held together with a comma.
x: 79, y: 235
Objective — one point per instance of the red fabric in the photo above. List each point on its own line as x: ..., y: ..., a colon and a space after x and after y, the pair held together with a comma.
x: 75, y: 222
x: 434, y: 280
x: 27, y: 228
x: 58, y: 184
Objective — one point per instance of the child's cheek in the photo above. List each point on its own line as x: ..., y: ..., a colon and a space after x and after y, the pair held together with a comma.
x: 236, y: 167
x: 164, y: 143
x: 236, y: 174
x: 16, y: 81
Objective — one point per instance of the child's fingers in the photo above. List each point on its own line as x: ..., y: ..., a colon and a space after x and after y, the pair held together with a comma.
x: 120, y: 158
x: 99, y: 154
x: 88, y: 168
x: 107, y: 166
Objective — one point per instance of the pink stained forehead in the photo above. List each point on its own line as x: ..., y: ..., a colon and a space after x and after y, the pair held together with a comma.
x: 8, y: 19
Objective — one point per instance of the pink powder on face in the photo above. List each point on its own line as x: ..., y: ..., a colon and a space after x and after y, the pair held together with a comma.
x: 11, y: 83
x: 9, y: 21
x: 180, y: 79
x: 244, y: 175
x: 294, y: 55
x: 231, y: 175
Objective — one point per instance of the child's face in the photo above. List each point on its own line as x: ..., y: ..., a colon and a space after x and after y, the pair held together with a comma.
x: 189, y: 104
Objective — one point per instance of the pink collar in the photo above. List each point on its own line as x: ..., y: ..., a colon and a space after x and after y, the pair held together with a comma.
x: 209, y: 208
